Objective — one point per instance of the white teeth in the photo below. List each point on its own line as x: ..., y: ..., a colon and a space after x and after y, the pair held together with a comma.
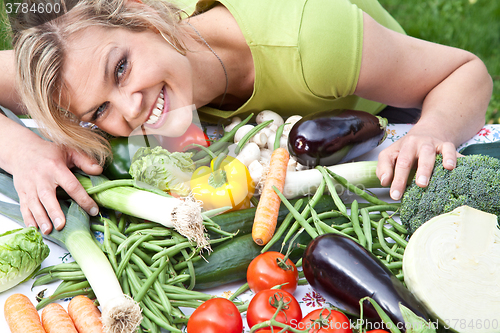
x: 157, y: 111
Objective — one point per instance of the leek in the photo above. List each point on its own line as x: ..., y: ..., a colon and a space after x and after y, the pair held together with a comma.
x: 306, y: 182
x: 144, y: 201
x: 119, y: 312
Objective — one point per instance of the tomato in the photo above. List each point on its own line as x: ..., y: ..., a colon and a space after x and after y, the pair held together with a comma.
x: 330, y: 322
x: 266, y: 271
x: 214, y: 316
x: 264, y: 305
x: 193, y: 134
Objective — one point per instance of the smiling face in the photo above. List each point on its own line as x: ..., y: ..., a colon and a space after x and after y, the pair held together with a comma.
x: 123, y: 81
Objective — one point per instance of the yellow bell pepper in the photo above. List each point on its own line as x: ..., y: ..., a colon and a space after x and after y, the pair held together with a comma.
x: 228, y: 185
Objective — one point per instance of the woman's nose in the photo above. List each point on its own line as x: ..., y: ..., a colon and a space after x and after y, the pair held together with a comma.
x: 129, y: 105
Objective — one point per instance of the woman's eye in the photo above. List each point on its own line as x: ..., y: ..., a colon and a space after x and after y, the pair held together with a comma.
x: 121, y: 69
x: 100, y: 111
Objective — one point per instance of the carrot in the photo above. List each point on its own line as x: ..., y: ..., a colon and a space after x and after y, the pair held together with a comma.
x: 56, y: 320
x: 85, y: 314
x: 266, y: 214
x: 21, y: 315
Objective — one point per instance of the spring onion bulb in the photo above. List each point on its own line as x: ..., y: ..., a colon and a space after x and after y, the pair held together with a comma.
x: 182, y: 214
x: 452, y: 264
x: 120, y: 313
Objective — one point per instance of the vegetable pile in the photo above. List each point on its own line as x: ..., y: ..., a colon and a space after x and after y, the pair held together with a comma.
x: 181, y: 222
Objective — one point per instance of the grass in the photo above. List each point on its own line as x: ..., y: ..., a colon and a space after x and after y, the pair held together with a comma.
x: 473, y: 25
x: 467, y: 24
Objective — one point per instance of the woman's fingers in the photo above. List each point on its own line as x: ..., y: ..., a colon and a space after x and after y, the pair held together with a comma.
x: 397, y: 162
x: 75, y: 190
x: 85, y: 163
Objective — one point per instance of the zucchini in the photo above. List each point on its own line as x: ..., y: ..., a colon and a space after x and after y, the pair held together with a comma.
x: 228, y: 262
x: 241, y: 221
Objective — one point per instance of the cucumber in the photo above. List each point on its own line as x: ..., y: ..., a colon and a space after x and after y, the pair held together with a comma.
x: 241, y: 221
x: 228, y: 262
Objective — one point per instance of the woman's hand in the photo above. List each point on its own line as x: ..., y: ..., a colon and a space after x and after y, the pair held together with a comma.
x: 38, y: 168
x: 46, y: 166
x: 417, y: 149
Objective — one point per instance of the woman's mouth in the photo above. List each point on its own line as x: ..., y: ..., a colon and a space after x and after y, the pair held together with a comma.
x: 159, y: 110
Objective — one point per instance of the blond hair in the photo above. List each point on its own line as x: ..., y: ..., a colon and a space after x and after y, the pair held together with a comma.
x: 40, y: 53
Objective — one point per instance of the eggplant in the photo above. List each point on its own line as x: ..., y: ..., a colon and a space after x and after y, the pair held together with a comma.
x: 335, y: 136
x: 344, y: 272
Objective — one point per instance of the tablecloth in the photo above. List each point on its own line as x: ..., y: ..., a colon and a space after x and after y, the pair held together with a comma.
x: 307, y: 297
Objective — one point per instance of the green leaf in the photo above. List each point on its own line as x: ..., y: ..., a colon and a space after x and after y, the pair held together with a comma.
x: 414, y: 323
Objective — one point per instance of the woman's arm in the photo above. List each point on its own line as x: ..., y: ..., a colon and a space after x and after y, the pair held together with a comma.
x: 8, y: 95
x: 451, y: 86
x: 38, y: 166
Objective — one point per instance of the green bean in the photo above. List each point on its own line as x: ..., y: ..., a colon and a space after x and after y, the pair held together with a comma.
x: 310, y: 230
x: 53, y: 298
x: 281, y: 229
x: 380, y: 234
x: 355, y: 223
x: 329, y: 229
x: 305, y: 213
x: 389, y: 233
x: 139, y: 226
x: 149, y: 326
x: 67, y: 286
x: 315, y: 219
x: 109, y: 247
x: 122, y: 222
x: 389, y: 257
x: 117, y: 234
x: 172, y: 251
x: 68, y: 267
x: 354, y: 189
x: 277, y: 137
x: 381, y: 208
x: 333, y: 192
x: 223, y: 140
x: 343, y: 226
x: 349, y: 231
x: 367, y: 228
x: 162, y: 242
x: 248, y: 135
x: 395, y: 224
x: 149, y: 282
x: 54, y: 276
x: 128, y: 254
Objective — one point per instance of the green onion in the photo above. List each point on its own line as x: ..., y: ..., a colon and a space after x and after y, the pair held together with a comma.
x: 143, y: 201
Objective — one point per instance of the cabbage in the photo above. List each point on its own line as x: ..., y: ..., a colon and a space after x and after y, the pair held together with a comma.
x: 165, y: 170
x: 21, y: 253
x: 452, y: 265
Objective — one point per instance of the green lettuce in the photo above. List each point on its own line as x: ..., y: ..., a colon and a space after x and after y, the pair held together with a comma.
x: 21, y: 253
x: 167, y: 171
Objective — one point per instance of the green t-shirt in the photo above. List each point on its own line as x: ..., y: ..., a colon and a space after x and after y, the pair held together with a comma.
x: 307, y: 53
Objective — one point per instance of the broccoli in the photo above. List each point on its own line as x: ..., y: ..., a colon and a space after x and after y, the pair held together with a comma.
x: 475, y: 182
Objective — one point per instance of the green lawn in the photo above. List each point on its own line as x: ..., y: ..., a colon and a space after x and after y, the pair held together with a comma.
x: 467, y: 24
x: 473, y: 25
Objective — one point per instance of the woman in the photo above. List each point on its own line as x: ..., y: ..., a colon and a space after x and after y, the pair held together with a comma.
x: 123, y: 65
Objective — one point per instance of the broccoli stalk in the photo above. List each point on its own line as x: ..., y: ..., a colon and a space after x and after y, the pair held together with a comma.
x: 475, y: 182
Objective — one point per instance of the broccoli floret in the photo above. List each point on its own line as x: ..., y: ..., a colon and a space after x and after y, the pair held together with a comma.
x: 475, y: 182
